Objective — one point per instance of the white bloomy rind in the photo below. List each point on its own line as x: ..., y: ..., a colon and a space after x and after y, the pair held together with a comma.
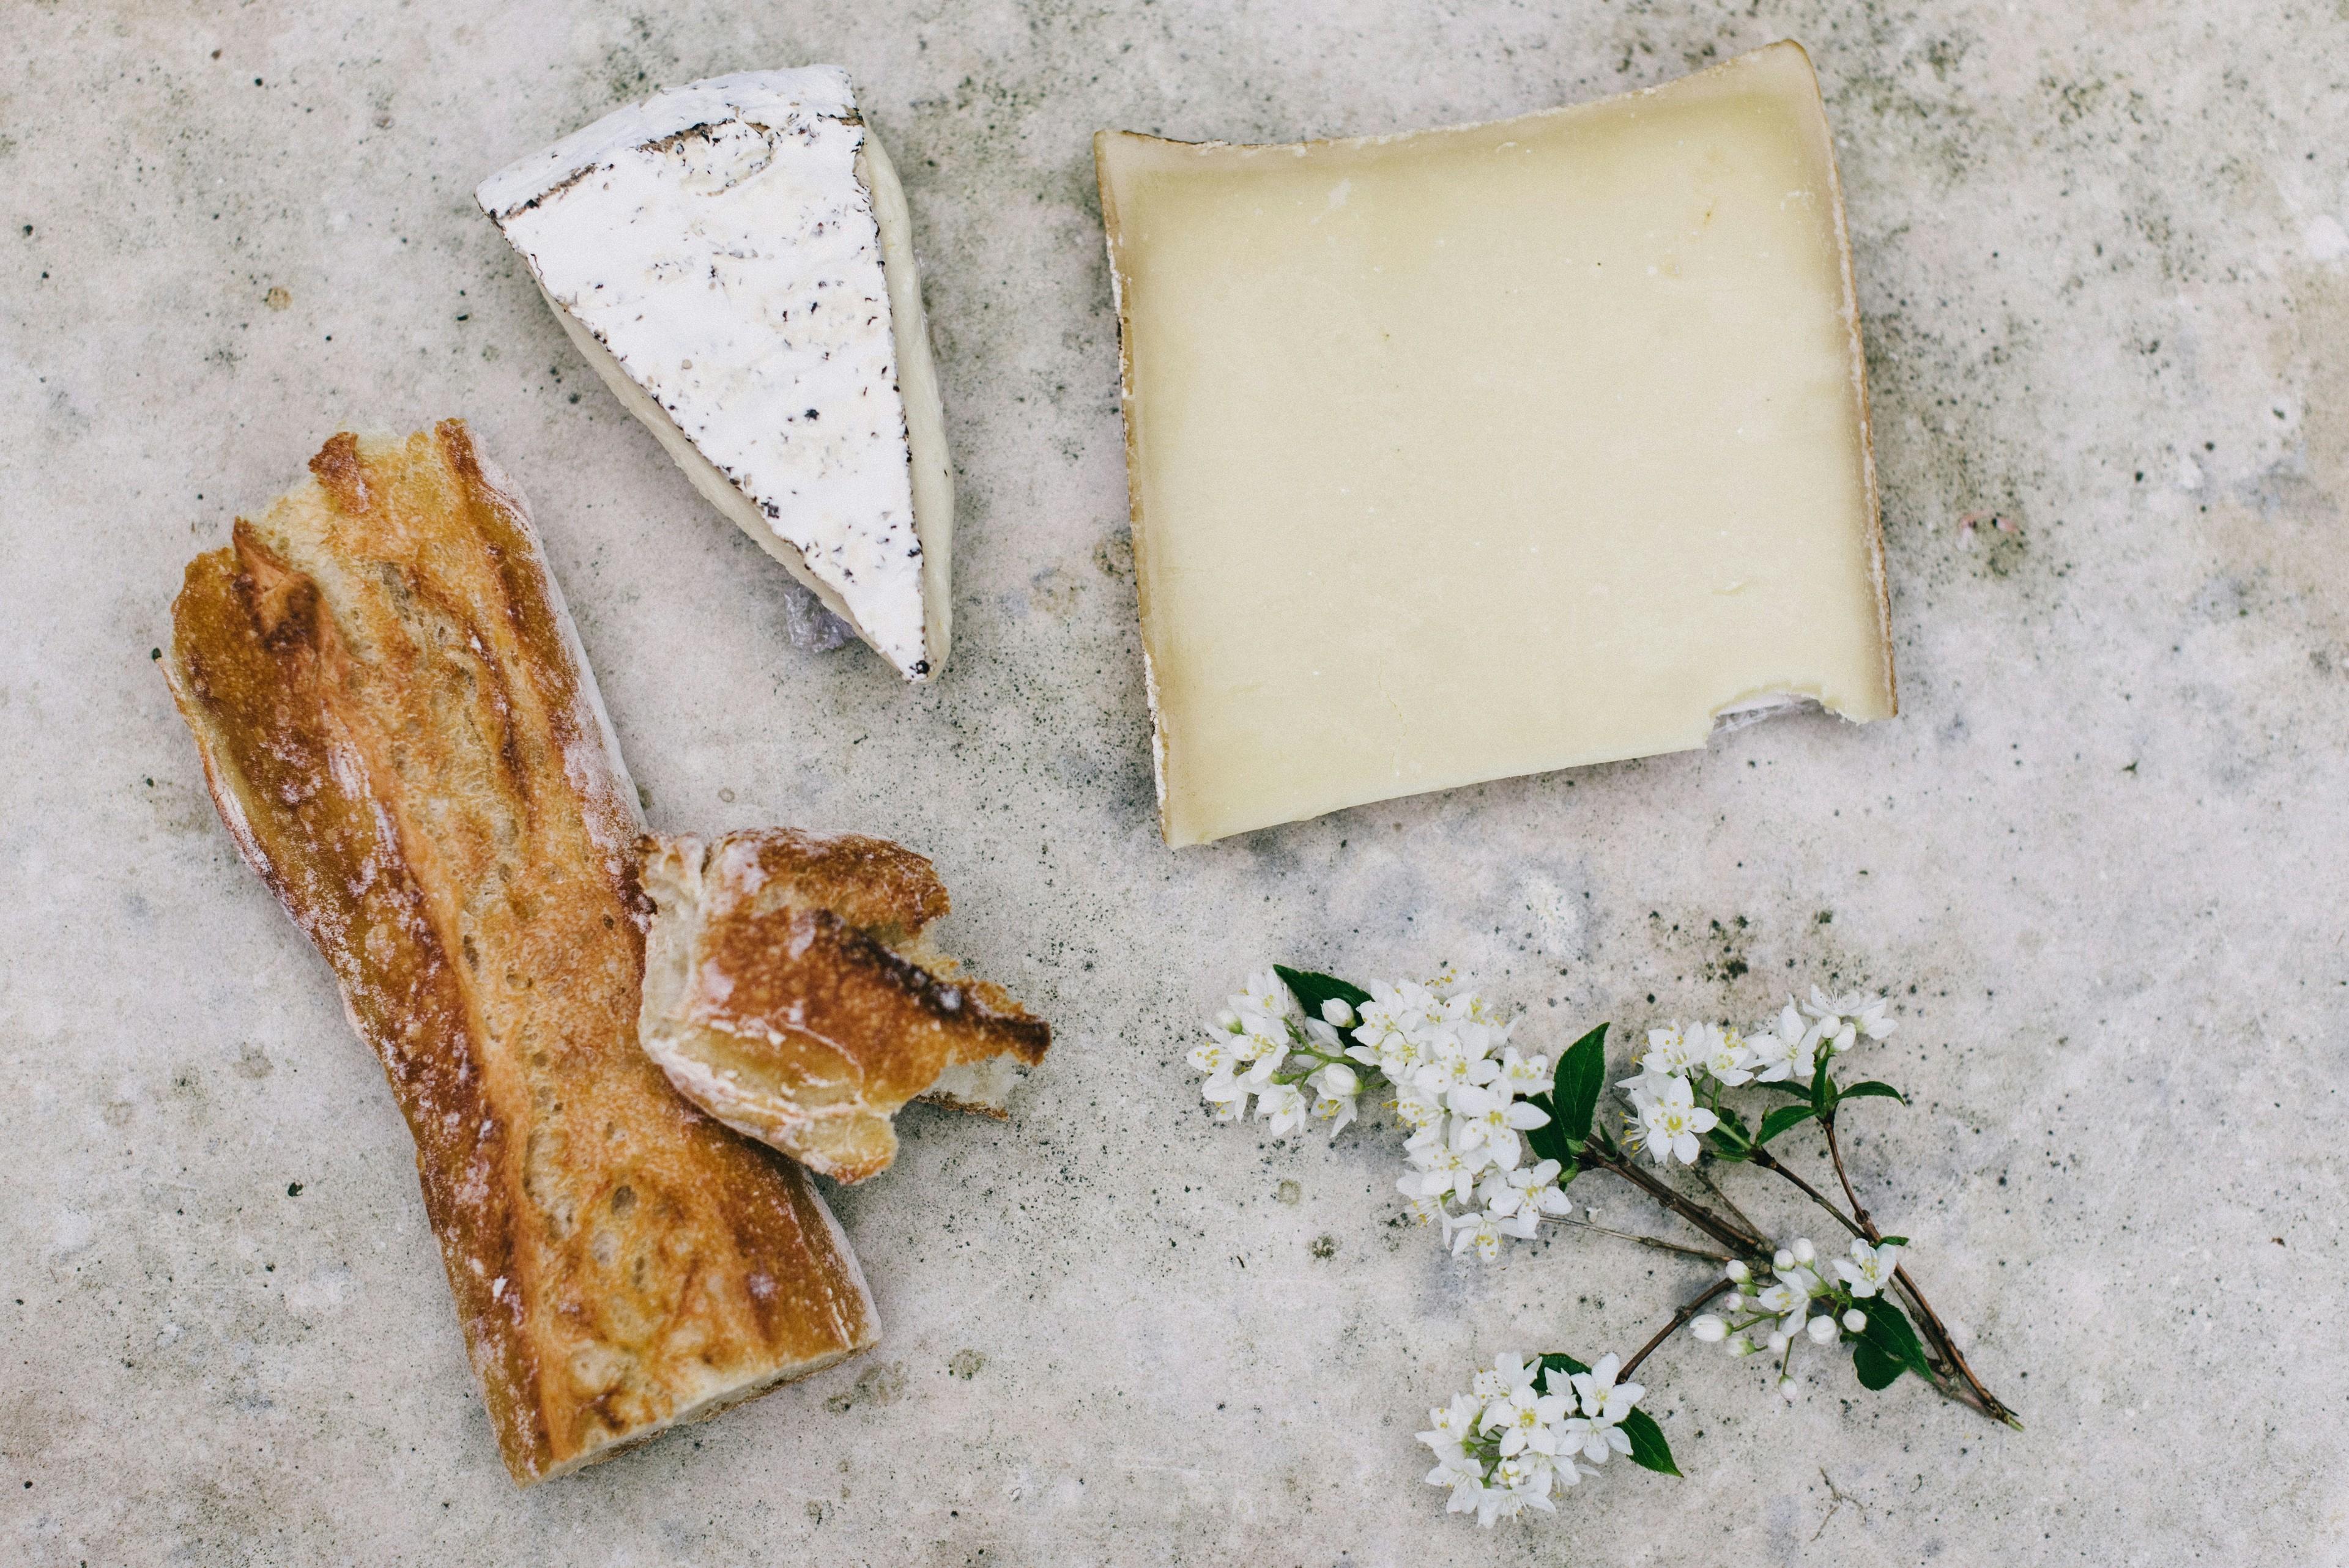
x: 734, y: 258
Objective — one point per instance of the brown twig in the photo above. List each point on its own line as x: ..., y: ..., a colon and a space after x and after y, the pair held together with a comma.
x: 1727, y: 1202
x: 1991, y: 1406
x: 1726, y: 1232
x: 1680, y: 1321
x: 1656, y: 1241
x: 1769, y: 1162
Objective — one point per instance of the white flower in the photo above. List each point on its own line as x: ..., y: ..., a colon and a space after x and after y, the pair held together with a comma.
x: 1337, y: 1084
x: 1839, y: 1021
x: 1452, y: 1425
x: 1582, y: 1438
x: 1524, y: 1418
x: 1284, y: 1104
x: 1779, y: 1298
x: 1479, y: 1231
x: 1335, y: 1011
x: 1506, y: 1375
x: 1869, y: 1269
x: 1267, y: 997
x: 1526, y: 1194
x: 1444, y: 1171
x: 1708, y: 1328
x: 1523, y: 1074
x: 1337, y: 1110
x: 1671, y: 1121
x: 1450, y: 1070
x: 1423, y: 1208
x: 1418, y: 1110
x: 1481, y: 1117
x: 1719, y: 1052
x: 1499, y: 1502
x: 1527, y: 1480
x: 1668, y: 1054
x: 1603, y: 1398
x: 1227, y: 1094
x: 1782, y: 1052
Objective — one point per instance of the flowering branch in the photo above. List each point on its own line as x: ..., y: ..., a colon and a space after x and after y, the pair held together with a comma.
x: 1496, y: 1138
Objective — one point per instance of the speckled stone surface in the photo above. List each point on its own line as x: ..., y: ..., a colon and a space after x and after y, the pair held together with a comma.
x: 2105, y: 272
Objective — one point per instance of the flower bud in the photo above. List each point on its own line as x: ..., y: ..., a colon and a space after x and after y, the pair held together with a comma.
x: 1787, y: 1388
x: 1709, y: 1328
x: 1739, y: 1346
x: 1782, y: 1260
x: 1854, y: 1320
x: 1738, y: 1271
x: 1803, y: 1250
x: 1821, y: 1329
x: 1779, y: 1342
x: 1733, y: 1302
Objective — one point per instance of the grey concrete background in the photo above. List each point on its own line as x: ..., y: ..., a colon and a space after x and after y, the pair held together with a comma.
x: 2100, y: 858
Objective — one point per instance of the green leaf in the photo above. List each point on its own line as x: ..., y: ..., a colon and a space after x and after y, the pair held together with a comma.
x: 1780, y: 1086
x: 1876, y: 1369
x: 1889, y: 1335
x: 1648, y: 1449
x: 1822, y: 1092
x: 1312, y: 990
x: 1783, y: 1119
x: 1891, y: 1240
x: 1872, y: 1088
x: 1574, y: 1096
x: 1548, y: 1143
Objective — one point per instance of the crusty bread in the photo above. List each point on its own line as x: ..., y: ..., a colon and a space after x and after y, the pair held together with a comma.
x: 788, y: 992
x: 406, y: 743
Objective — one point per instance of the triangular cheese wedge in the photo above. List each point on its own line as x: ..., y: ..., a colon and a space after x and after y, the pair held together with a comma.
x: 734, y: 258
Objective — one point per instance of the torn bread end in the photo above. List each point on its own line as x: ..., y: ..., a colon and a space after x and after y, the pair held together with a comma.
x: 789, y: 993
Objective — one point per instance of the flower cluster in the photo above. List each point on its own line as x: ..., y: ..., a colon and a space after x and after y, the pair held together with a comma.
x: 1442, y: 1058
x: 1669, y: 1117
x: 1801, y: 1297
x: 1523, y: 1430
x: 1261, y: 1044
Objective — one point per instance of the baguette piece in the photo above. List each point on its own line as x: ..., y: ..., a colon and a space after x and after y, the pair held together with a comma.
x: 789, y: 992
x: 405, y: 741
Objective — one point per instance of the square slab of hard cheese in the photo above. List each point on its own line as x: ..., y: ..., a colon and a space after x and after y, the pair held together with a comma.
x: 1490, y: 450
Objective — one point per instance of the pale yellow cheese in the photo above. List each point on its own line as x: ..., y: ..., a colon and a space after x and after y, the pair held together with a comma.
x: 1485, y: 451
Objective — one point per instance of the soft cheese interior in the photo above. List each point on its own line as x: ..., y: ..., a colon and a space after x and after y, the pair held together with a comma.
x: 735, y: 258
x: 1485, y: 451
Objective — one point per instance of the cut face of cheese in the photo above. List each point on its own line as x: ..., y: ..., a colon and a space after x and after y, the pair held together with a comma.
x: 735, y: 259
x: 1486, y: 451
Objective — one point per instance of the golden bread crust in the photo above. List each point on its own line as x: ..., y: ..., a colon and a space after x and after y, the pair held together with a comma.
x: 402, y: 738
x: 789, y: 994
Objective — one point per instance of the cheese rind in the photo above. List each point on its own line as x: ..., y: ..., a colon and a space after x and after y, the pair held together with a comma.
x: 1490, y: 450
x: 734, y: 258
